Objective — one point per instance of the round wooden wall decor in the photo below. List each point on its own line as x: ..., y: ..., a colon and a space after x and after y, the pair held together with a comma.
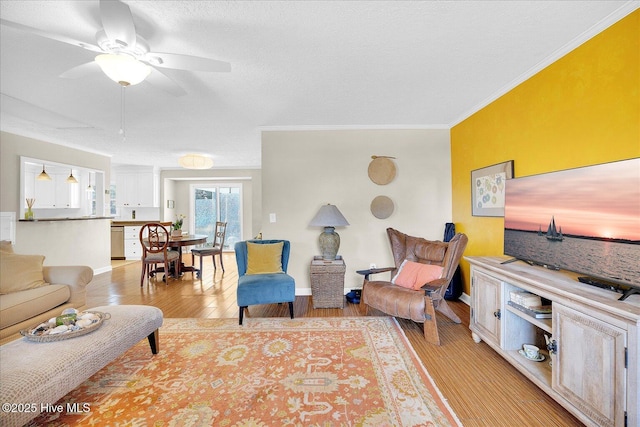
x: 382, y: 170
x: 382, y: 207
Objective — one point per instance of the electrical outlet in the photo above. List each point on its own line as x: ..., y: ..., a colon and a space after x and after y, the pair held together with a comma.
x: 372, y: 266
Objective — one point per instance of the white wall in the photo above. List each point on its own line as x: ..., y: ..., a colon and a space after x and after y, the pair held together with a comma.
x: 302, y: 170
x: 74, y: 242
x: 13, y: 146
x: 175, y: 185
x: 82, y: 242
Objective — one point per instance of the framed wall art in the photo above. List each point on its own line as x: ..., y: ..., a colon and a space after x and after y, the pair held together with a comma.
x: 487, y: 189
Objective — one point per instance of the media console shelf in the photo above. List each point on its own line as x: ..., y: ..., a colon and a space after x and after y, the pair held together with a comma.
x: 592, y: 359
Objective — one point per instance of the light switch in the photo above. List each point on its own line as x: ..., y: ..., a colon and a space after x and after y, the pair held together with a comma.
x: 272, y: 217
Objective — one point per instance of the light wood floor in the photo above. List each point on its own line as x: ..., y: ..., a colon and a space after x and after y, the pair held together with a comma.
x: 480, y: 386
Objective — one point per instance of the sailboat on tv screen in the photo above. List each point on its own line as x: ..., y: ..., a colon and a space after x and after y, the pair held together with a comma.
x: 554, y: 234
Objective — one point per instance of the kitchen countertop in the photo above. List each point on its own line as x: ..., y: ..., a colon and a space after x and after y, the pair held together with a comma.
x: 79, y: 218
x: 134, y: 222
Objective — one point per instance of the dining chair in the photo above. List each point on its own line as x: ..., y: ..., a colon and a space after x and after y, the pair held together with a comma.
x: 154, y: 240
x: 212, y: 249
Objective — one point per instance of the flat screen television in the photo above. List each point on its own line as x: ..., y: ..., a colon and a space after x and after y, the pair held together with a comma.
x: 585, y: 220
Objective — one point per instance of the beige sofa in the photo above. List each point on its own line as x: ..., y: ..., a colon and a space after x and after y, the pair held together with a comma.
x: 31, y: 293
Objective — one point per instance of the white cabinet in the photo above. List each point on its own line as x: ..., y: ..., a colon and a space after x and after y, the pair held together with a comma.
x: 486, y: 307
x: 45, y: 193
x: 54, y: 194
x: 139, y: 188
x: 594, y: 383
x: 591, y: 365
x: 132, y: 245
x: 66, y: 195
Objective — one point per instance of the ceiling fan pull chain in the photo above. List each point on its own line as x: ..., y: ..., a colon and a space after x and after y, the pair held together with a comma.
x: 122, y: 104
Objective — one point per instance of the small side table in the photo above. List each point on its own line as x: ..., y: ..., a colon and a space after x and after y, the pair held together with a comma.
x: 327, y: 282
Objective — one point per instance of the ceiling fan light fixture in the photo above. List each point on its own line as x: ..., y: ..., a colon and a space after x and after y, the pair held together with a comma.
x: 122, y: 68
x: 44, y: 176
x: 195, y: 161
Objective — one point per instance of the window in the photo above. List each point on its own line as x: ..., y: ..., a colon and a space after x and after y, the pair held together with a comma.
x: 213, y: 203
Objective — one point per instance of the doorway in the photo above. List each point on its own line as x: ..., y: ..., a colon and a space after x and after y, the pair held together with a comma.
x: 211, y: 203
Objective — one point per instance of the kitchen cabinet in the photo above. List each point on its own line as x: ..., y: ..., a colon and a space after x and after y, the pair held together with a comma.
x: 592, y: 340
x: 54, y: 194
x: 137, y: 188
x: 132, y: 246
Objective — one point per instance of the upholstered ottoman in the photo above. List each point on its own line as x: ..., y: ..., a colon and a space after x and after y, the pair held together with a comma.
x: 35, y: 374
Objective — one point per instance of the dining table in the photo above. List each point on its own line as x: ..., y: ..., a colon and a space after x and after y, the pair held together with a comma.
x: 186, y: 240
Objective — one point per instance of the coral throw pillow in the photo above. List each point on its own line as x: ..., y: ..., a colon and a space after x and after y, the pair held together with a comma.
x: 264, y: 258
x: 20, y: 272
x: 414, y: 275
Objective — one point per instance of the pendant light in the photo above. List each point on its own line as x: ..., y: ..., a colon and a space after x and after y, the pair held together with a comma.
x: 44, y: 176
x: 89, y: 189
x: 71, y: 179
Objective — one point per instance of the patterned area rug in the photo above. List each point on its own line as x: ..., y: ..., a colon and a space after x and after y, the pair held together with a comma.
x: 358, y: 371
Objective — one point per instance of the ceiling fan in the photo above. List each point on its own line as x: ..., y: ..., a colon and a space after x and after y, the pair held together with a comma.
x: 124, y: 56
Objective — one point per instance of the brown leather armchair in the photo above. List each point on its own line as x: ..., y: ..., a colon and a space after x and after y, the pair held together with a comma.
x: 417, y: 305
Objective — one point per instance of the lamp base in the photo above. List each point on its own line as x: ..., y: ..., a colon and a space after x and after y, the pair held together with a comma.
x: 329, y: 243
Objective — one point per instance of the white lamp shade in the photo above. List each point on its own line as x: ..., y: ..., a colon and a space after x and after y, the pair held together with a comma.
x: 123, y: 69
x: 195, y: 161
x: 328, y: 216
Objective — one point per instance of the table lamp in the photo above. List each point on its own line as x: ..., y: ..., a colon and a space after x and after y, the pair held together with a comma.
x: 329, y: 217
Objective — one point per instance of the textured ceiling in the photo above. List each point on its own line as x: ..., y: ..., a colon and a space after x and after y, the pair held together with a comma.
x: 294, y: 65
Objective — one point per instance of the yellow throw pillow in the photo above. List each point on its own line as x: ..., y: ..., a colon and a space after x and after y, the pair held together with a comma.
x: 20, y: 272
x: 263, y: 258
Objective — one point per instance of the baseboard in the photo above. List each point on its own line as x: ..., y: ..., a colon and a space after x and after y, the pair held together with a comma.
x: 465, y: 299
x: 101, y: 270
x: 307, y: 292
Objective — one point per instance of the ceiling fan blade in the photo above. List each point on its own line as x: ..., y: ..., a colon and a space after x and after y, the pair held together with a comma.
x: 185, y: 62
x: 51, y: 36
x: 159, y: 79
x: 81, y: 70
x: 118, y: 22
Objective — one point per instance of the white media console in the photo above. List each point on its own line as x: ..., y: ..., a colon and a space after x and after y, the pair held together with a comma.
x: 591, y: 365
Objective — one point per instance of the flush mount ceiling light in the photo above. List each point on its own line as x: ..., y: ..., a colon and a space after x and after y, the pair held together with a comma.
x: 195, y: 161
x: 44, y: 176
x: 122, y: 68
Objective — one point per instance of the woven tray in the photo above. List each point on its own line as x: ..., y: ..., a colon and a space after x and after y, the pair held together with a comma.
x: 31, y: 336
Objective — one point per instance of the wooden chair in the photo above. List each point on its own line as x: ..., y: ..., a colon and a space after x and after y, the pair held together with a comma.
x: 213, y: 250
x: 417, y: 305
x: 154, y: 239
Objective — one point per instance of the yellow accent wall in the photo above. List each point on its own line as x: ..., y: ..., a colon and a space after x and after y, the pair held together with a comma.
x: 583, y: 109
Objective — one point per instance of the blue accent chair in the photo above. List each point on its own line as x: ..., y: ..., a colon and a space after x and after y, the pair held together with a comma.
x: 270, y: 288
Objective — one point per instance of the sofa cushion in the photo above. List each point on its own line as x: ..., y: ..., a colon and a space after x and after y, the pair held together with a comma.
x: 19, y: 306
x: 264, y: 258
x: 20, y: 272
